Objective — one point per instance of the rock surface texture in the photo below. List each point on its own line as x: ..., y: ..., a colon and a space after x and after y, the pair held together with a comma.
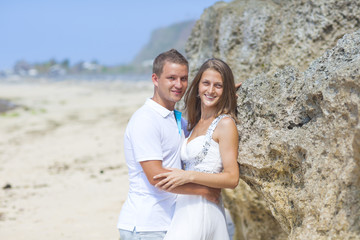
x: 299, y: 104
x: 260, y: 36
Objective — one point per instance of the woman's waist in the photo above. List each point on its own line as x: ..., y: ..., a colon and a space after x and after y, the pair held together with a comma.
x: 203, y: 167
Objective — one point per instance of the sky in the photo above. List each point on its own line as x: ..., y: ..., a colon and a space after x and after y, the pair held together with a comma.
x: 109, y: 31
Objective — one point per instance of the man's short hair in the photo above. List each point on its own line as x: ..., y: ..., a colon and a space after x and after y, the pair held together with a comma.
x: 172, y: 56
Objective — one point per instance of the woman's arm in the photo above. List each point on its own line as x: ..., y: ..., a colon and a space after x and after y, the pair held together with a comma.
x: 227, y: 136
x: 153, y: 167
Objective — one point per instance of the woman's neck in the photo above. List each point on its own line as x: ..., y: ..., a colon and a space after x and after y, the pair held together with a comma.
x: 207, y: 114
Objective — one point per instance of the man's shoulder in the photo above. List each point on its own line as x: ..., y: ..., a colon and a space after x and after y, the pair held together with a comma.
x: 143, y: 124
x: 144, y: 118
x: 143, y: 113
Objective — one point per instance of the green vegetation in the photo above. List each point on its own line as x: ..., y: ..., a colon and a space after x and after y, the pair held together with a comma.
x: 163, y: 39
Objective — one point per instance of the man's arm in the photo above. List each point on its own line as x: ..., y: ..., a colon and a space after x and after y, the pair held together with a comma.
x: 227, y: 136
x: 154, y: 167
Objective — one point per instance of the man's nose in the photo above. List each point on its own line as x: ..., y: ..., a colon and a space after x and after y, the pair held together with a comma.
x: 178, y: 83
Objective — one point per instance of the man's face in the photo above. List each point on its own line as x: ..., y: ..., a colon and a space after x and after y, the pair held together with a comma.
x: 171, y: 85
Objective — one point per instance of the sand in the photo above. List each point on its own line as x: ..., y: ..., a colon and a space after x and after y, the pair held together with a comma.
x: 62, y: 169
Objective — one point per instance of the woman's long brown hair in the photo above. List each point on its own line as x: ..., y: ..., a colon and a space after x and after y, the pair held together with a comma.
x: 227, y: 101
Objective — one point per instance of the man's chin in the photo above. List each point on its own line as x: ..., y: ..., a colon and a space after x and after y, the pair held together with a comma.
x: 177, y: 98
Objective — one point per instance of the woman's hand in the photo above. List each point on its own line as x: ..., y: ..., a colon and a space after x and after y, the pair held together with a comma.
x: 174, y: 178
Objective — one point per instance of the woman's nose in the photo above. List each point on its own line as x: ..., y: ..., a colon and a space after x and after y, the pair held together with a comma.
x: 211, y: 89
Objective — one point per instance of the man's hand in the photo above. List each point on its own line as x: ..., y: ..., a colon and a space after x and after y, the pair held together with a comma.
x: 154, y: 167
x: 237, y: 86
x: 174, y: 178
x: 213, y: 195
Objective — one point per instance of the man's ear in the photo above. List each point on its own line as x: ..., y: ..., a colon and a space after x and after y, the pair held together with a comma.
x: 155, y: 79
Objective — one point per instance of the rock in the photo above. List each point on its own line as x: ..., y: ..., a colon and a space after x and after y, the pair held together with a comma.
x: 6, y: 105
x: 299, y: 149
x: 252, y: 217
x: 257, y: 36
x: 300, y: 144
x: 7, y: 186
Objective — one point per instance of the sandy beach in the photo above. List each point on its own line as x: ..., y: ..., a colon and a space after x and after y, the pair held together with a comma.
x: 62, y: 169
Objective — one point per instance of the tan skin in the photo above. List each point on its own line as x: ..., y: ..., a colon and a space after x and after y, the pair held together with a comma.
x: 225, y: 134
x: 169, y: 88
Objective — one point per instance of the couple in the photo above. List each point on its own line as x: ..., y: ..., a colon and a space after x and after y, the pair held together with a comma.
x: 164, y: 201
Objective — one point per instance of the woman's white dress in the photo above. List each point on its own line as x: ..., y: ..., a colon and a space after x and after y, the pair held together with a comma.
x: 196, y: 218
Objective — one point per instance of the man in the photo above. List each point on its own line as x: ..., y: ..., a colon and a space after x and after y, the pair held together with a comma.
x: 152, y: 142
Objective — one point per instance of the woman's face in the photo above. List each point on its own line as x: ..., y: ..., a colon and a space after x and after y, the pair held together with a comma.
x: 210, y: 88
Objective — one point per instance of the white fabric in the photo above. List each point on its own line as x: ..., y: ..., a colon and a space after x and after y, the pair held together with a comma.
x: 195, y: 218
x: 151, y: 134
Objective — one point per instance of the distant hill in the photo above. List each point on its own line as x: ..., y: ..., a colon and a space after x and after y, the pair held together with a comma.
x: 163, y: 39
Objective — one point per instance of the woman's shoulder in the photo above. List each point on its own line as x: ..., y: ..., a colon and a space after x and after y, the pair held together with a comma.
x: 225, y: 127
x: 227, y: 121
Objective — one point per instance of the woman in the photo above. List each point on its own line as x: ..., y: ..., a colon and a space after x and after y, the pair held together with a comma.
x: 209, y: 154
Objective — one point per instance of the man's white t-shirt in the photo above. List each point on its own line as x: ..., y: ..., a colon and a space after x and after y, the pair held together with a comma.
x: 151, y: 134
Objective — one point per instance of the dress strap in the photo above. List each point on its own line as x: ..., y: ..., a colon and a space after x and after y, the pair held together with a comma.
x: 206, y: 145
